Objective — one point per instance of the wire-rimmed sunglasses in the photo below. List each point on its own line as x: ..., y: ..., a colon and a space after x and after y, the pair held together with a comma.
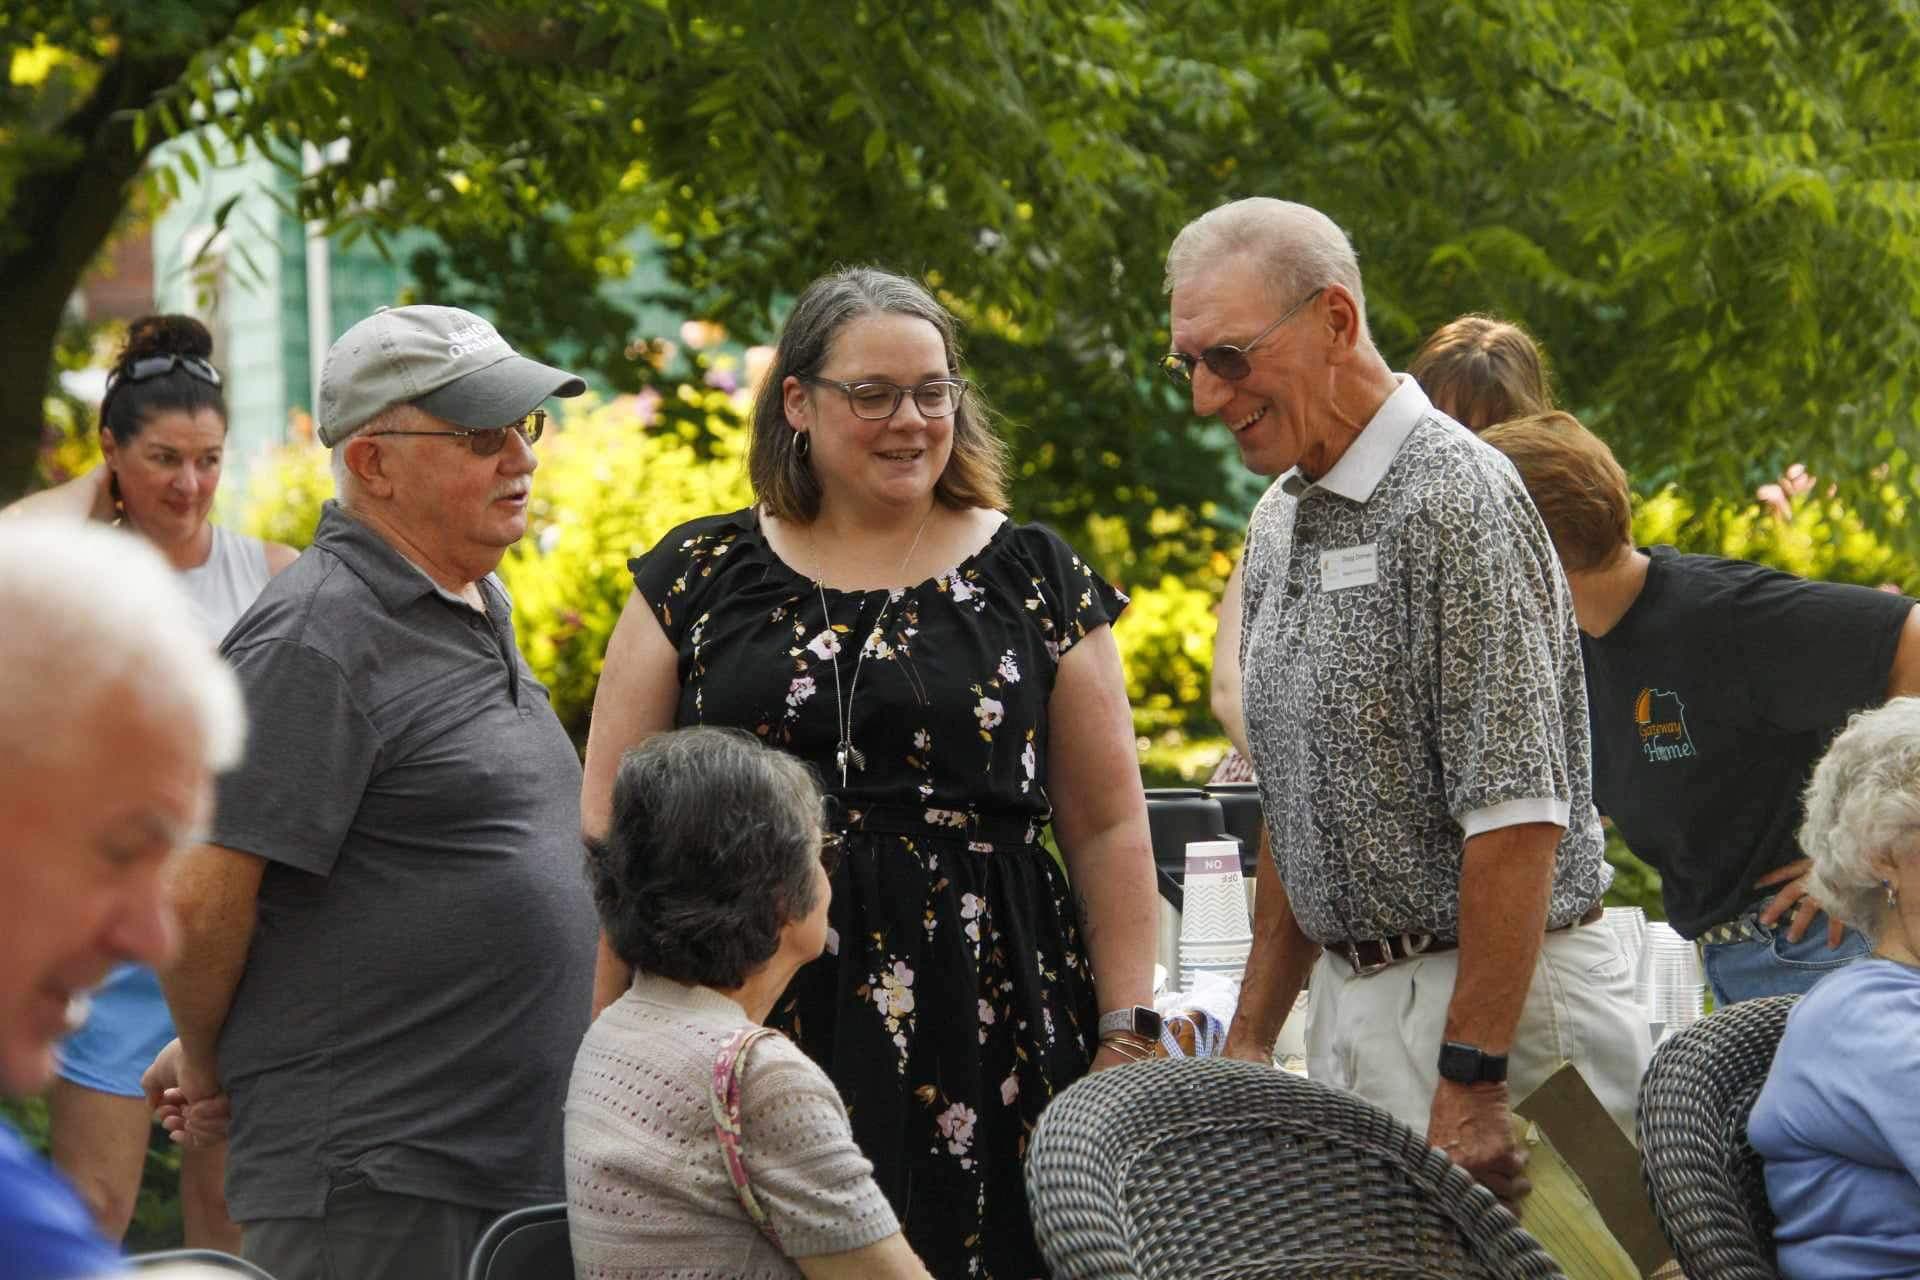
x: 833, y: 839
x: 487, y: 441
x: 875, y: 401
x: 832, y: 845
x: 1224, y: 359
x: 158, y: 366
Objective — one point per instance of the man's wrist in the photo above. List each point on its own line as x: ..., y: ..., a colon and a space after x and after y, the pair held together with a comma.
x: 1468, y: 1064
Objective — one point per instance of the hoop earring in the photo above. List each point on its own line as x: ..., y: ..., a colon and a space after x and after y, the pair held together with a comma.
x: 802, y: 444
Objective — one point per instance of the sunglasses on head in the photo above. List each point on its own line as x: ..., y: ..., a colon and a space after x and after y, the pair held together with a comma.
x: 158, y: 366
x: 1225, y: 360
x: 487, y: 441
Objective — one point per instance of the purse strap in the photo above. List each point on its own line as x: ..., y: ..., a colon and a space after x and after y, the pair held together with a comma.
x: 724, y: 1101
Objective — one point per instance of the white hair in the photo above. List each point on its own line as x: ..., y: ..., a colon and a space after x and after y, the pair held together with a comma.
x: 1863, y: 811
x: 1296, y: 248
x: 395, y: 417
x: 95, y: 615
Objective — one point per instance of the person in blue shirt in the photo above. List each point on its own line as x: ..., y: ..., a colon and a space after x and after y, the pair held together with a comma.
x: 1835, y: 1121
x: 114, y: 715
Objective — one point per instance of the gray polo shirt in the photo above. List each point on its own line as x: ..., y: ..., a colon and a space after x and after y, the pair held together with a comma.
x: 1412, y: 677
x: 421, y: 973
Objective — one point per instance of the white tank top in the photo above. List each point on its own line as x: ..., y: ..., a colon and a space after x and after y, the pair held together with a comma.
x: 223, y: 587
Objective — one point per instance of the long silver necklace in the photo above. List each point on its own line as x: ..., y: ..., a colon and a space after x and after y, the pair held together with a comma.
x: 844, y: 751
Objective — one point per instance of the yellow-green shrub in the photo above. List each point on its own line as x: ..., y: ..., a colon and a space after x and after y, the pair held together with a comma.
x: 608, y: 487
x: 1823, y: 538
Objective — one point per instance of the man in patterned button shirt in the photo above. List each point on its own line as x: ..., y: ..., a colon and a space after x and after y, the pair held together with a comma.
x: 1416, y: 712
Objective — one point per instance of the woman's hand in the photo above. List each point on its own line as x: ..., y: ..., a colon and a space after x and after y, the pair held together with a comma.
x: 1111, y: 1056
x: 88, y: 496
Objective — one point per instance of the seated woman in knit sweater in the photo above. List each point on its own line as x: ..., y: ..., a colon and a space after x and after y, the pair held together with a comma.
x: 698, y: 1141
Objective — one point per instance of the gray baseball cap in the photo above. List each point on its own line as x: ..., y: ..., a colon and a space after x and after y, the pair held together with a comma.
x: 446, y: 361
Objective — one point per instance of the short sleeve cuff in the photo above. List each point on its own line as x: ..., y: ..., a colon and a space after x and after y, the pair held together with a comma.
x: 1514, y: 813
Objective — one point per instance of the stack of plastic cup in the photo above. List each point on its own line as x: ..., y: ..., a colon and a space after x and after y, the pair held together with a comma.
x: 1215, y: 931
x: 1675, y: 985
x: 1629, y: 925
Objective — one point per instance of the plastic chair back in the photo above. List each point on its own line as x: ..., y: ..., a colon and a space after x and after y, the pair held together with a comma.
x: 527, y: 1244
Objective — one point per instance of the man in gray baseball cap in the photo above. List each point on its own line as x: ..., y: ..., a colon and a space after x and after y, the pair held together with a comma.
x: 387, y: 946
x: 444, y: 361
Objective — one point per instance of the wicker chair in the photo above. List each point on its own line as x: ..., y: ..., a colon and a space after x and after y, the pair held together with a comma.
x: 1704, y: 1180
x: 1204, y: 1167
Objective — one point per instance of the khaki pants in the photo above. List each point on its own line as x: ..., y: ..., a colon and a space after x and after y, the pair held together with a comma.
x: 1380, y: 1036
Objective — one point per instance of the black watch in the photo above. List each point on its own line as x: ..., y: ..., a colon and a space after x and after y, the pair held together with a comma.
x: 1464, y: 1064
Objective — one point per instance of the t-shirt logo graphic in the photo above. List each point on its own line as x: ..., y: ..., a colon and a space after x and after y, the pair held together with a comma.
x: 1661, y: 718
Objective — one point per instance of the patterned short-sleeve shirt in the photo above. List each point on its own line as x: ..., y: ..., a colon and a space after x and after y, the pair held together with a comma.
x: 1412, y: 677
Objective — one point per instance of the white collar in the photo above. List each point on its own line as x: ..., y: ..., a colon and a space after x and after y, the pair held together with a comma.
x: 1365, y: 463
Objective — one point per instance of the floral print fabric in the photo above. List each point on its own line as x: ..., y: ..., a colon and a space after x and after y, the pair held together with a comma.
x: 955, y: 997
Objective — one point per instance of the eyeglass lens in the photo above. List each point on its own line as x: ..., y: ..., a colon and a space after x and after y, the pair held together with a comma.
x: 1226, y: 361
x: 489, y: 441
x: 935, y: 399
x: 832, y: 845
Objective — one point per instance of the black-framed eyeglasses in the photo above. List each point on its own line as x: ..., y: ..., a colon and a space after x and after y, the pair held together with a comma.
x: 158, y: 366
x: 1226, y: 360
x: 875, y: 401
x: 487, y: 441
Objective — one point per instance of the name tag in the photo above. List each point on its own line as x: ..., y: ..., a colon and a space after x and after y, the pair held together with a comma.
x: 1349, y: 567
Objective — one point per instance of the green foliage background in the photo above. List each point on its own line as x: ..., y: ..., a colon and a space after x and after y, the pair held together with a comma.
x: 1708, y: 213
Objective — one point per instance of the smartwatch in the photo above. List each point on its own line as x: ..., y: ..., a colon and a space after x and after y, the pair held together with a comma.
x: 1135, y: 1020
x: 1465, y: 1064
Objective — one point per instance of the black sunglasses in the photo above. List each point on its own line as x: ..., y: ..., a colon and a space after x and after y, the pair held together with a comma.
x: 487, y: 441
x: 1226, y: 360
x: 157, y: 366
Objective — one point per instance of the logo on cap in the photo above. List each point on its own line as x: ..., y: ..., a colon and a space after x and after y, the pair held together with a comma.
x: 471, y: 338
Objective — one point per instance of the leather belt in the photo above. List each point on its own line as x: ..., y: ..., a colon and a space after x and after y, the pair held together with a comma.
x: 1371, y: 956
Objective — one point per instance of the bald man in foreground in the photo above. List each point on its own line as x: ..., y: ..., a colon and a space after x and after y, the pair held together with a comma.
x: 1416, y: 713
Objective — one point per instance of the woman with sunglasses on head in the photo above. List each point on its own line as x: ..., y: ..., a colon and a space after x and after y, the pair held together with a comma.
x: 698, y: 1141
x: 953, y: 677
x: 163, y: 429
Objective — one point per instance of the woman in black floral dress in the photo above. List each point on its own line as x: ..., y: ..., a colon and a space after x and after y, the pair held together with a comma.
x: 953, y: 678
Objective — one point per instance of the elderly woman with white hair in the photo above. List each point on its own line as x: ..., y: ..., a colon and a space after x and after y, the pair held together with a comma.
x: 1836, y: 1121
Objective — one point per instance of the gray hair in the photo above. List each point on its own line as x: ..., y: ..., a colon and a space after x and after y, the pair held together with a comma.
x: 95, y: 615
x: 1296, y: 247
x: 1863, y: 811
x: 395, y: 417
x: 709, y: 855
